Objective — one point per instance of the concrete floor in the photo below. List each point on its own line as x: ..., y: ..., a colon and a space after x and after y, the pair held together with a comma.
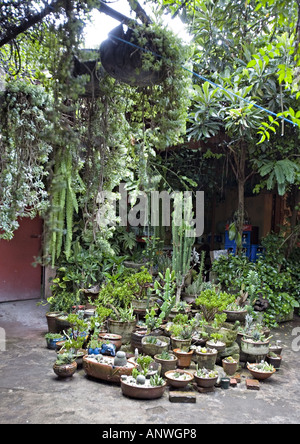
x: 30, y: 392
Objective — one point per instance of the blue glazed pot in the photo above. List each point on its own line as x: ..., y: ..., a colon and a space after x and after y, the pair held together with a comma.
x: 51, y: 343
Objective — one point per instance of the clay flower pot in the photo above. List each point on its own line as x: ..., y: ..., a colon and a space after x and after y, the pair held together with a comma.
x: 230, y: 368
x: 206, y: 359
x: 166, y: 364
x: 106, y: 371
x: 205, y: 382
x: 180, y: 343
x: 112, y: 338
x: 65, y: 370
x: 153, y: 349
x: 139, y: 391
x: 184, y: 359
x: 179, y: 378
x: 259, y: 374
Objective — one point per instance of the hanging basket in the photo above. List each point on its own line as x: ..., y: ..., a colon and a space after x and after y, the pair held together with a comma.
x: 123, y: 60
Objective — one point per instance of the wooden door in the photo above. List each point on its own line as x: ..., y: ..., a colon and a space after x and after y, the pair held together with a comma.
x: 19, y: 280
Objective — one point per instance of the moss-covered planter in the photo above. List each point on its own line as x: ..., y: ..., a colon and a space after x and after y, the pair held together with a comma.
x: 166, y: 364
x: 154, y: 348
x: 123, y: 329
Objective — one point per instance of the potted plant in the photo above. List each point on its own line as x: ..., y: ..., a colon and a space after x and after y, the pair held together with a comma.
x: 276, y: 348
x: 179, y: 378
x: 122, y: 322
x: 168, y: 361
x: 205, y: 378
x: 213, y: 301
x: 256, y: 345
x: 181, y: 336
x: 235, y: 312
x: 139, y: 387
x: 216, y: 343
x: 184, y: 357
x: 52, y: 339
x: 205, y: 357
x: 230, y: 365
x: 274, y: 359
x: 65, y: 365
x: 112, y: 339
x: 153, y: 345
x: 261, y: 371
x: 140, y: 283
x: 103, y: 368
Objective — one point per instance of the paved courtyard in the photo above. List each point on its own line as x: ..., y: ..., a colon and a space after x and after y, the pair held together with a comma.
x: 30, y: 392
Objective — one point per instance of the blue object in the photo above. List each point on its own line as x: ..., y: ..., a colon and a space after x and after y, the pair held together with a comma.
x: 108, y: 349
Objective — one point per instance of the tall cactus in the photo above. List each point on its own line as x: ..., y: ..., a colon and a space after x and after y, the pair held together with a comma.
x: 183, y: 239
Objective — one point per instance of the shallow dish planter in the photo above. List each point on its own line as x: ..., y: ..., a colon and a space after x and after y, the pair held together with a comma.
x: 179, y: 378
x: 123, y: 329
x: 112, y: 338
x: 131, y: 389
x: 230, y: 365
x: 154, y: 345
x: 184, y: 358
x: 205, y: 357
x: 261, y: 371
x: 166, y: 364
x: 206, y: 378
x: 103, y: 368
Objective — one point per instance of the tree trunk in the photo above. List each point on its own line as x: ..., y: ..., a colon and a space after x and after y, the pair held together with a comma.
x: 295, y: 202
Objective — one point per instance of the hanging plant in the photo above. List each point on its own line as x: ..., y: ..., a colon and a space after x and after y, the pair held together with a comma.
x: 26, y: 123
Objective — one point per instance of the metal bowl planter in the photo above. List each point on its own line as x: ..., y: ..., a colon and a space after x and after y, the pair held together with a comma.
x: 141, y: 391
x: 152, y: 349
x: 181, y: 382
x: 259, y: 374
x: 106, y: 371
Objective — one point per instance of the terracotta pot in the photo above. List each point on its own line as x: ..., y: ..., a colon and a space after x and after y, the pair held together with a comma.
x: 106, y: 372
x: 141, y: 391
x: 205, y: 382
x: 123, y: 329
x: 179, y: 383
x: 65, y: 370
x: 261, y: 376
x: 112, y: 338
x: 230, y: 368
x: 166, y: 364
x: 184, y: 359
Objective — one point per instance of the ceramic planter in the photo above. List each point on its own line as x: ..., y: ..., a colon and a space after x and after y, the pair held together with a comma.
x: 180, y: 343
x: 219, y: 346
x: 112, y: 338
x: 274, y: 361
x: 155, y: 349
x: 62, y: 323
x: 142, y: 391
x: 258, y: 374
x: 123, y: 329
x: 136, y: 339
x: 259, y: 348
x: 52, y: 342
x: 179, y: 382
x: 205, y: 382
x: 230, y: 368
x: 235, y: 315
x: 65, y: 370
x: 184, y: 359
x: 225, y: 383
x: 206, y: 360
x: 51, y: 317
x: 166, y: 364
x: 106, y: 371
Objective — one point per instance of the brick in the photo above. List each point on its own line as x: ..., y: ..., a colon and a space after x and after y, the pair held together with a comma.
x: 233, y: 382
x: 238, y: 378
x: 205, y: 390
x: 182, y: 396
x: 252, y: 384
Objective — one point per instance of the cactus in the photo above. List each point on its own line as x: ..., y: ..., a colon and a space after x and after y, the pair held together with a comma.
x: 183, y: 240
